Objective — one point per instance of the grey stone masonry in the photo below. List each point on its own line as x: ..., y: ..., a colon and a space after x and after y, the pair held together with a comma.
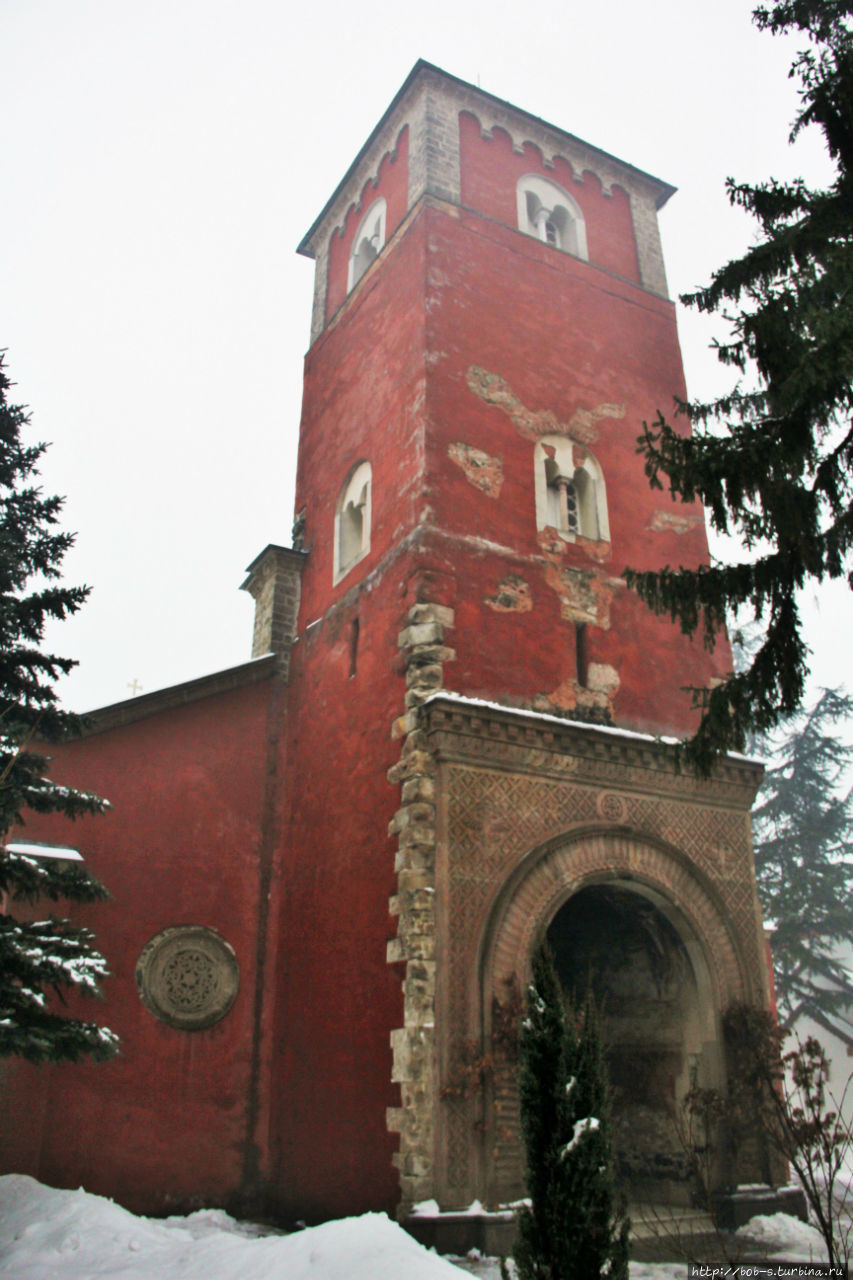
x: 274, y: 582
x: 647, y: 237
x: 413, y: 1044
x: 429, y: 104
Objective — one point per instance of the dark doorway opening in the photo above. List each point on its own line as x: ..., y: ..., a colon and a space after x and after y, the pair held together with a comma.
x: 621, y: 944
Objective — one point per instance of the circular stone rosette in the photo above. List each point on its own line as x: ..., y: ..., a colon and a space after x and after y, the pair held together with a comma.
x: 188, y: 976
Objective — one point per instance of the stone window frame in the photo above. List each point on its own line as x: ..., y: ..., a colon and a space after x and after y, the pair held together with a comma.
x: 352, y: 520
x: 560, y: 464
x: 367, y: 242
x: 547, y: 212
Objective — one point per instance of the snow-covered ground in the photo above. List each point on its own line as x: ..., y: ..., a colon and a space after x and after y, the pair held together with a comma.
x: 70, y: 1235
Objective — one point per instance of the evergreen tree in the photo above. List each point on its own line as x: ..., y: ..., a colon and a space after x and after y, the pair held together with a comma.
x: 802, y: 828
x: 40, y: 957
x: 773, y: 460
x: 575, y: 1227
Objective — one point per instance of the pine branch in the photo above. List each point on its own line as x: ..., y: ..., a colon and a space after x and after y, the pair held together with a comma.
x: 39, y: 960
x: 773, y: 462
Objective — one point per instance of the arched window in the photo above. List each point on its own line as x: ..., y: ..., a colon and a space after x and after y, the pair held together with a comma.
x: 367, y: 242
x: 550, y: 214
x: 570, y: 492
x: 352, y: 521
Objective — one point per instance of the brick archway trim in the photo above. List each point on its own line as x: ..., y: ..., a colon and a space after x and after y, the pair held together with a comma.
x: 554, y: 871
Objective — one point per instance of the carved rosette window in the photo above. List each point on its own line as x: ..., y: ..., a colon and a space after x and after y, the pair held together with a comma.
x: 188, y: 977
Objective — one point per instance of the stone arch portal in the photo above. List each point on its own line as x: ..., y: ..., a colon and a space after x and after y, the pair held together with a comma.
x: 656, y: 939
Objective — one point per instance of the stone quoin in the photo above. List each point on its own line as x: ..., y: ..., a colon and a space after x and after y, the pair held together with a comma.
x: 453, y: 738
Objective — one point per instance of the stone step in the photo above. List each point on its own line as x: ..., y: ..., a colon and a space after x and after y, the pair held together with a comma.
x: 668, y: 1222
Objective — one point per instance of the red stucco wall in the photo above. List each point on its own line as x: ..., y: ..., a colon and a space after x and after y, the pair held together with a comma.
x: 363, y: 398
x: 337, y: 998
x: 490, y: 170
x: 565, y: 338
x: 392, y: 182
x: 388, y: 382
x: 166, y: 1123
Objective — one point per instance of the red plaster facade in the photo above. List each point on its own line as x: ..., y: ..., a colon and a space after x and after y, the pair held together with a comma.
x: 262, y: 808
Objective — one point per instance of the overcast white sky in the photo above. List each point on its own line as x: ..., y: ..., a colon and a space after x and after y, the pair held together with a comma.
x: 161, y: 161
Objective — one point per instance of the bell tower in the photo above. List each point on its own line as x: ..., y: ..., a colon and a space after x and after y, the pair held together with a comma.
x: 491, y: 326
x: 476, y: 703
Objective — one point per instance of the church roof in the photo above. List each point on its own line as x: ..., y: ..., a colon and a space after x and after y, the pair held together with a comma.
x: 128, y: 710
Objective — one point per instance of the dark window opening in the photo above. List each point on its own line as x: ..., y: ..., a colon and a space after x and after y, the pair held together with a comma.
x: 581, y: 654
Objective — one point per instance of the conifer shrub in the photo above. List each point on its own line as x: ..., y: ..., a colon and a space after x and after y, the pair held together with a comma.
x: 575, y: 1227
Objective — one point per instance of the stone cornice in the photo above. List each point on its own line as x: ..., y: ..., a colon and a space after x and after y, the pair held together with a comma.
x: 466, y: 731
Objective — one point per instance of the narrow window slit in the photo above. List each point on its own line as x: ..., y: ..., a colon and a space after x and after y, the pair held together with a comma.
x: 353, y: 646
x: 581, y: 654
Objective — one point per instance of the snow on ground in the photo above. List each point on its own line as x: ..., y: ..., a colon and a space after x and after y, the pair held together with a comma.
x: 71, y: 1235
x: 781, y: 1234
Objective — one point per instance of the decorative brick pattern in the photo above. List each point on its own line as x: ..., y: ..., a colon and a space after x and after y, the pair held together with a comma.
x: 527, y: 814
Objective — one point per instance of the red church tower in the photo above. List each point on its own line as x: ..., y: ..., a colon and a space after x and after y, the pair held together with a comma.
x: 491, y: 327
x: 464, y: 734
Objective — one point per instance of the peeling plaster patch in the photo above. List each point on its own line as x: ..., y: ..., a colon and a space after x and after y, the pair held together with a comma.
x: 602, y: 678
x: 585, y: 596
x: 675, y: 522
x: 481, y: 470
x: 534, y: 423
x: 565, y: 696
x: 596, y: 695
x: 552, y: 541
x: 512, y: 596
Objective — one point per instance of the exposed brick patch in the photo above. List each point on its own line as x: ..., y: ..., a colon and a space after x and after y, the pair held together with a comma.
x: 551, y: 541
x: 675, y: 521
x: 565, y: 696
x: 596, y: 696
x: 585, y: 595
x: 414, y: 825
x: 481, y: 470
x: 512, y: 596
x: 534, y: 423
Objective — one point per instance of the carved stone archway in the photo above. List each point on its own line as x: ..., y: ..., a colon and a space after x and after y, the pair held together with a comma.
x: 542, y: 883
x: 517, y: 812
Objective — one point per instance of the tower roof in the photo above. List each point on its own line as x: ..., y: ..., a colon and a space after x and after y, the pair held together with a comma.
x: 499, y: 112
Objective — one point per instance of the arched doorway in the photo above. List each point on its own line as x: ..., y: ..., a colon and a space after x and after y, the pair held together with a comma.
x: 655, y: 881
x: 633, y: 951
